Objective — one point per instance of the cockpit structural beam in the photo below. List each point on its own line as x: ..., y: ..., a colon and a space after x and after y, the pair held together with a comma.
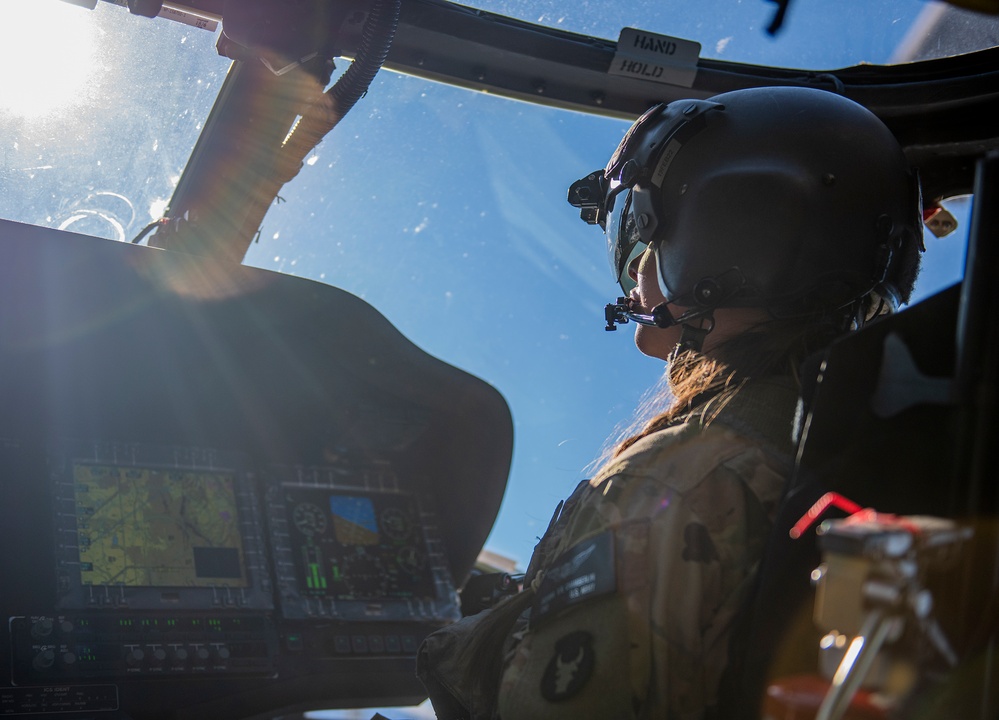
x: 232, y: 168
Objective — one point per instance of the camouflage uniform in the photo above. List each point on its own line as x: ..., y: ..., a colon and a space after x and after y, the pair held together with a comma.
x: 636, y: 586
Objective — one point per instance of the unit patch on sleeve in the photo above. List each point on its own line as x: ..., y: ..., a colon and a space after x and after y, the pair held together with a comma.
x: 584, y: 571
x: 569, y: 668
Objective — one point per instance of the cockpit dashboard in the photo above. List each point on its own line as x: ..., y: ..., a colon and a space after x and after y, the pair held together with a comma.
x: 221, y: 495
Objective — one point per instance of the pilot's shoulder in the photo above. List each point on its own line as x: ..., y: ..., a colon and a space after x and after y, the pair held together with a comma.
x: 678, y: 458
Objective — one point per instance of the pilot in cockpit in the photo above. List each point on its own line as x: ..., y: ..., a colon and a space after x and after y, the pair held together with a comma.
x: 746, y: 231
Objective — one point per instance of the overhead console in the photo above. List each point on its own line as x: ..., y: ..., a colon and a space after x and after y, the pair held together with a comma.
x: 223, y: 492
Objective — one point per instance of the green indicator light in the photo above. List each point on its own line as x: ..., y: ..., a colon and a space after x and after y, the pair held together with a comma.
x: 316, y: 581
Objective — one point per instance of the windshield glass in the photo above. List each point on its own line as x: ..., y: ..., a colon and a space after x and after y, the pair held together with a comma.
x: 96, y: 135
x: 444, y: 209
x: 814, y: 34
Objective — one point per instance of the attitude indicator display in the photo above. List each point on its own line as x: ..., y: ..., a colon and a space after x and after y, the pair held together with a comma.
x: 358, y: 547
x: 352, y: 542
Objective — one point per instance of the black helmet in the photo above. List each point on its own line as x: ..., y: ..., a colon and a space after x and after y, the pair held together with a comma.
x: 793, y: 199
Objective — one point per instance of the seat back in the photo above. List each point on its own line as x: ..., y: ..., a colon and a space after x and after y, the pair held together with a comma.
x: 878, y: 428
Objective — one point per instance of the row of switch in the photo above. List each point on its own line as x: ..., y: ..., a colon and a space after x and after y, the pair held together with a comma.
x: 375, y: 644
x: 358, y: 644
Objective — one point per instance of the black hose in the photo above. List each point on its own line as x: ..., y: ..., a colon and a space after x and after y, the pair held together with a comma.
x: 324, y: 114
x: 335, y: 103
x: 373, y: 50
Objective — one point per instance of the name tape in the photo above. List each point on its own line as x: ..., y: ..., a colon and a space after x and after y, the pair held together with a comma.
x: 584, y: 571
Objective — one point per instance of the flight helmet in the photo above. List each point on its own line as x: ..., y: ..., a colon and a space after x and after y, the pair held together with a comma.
x: 792, y: 199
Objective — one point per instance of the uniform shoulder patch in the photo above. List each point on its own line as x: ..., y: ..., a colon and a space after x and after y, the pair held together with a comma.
x: 570, y: 667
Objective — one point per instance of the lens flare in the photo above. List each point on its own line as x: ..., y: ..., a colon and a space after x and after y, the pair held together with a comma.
x: 47, y: 55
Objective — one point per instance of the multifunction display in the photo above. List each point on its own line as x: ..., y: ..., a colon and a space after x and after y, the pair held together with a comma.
x: 349, y: 543
x: 354, y: 546
x: 157, y: 527
x: 173, y: 529
x: 150, y: 527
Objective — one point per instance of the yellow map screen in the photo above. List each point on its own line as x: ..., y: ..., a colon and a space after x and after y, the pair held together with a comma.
x: 148, y: 527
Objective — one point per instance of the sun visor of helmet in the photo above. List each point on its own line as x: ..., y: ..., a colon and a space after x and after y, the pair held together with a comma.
x: 621, y: 199
x: 624, y: 242
x: 634, y: 139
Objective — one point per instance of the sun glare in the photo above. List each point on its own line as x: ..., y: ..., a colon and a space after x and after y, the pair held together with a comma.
x: 46, y: 56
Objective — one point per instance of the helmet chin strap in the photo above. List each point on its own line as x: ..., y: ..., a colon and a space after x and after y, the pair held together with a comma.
x: 692, y: 338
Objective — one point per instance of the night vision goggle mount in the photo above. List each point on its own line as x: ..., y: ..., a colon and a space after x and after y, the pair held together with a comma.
x: 588, y: 194
x: 651, y: 138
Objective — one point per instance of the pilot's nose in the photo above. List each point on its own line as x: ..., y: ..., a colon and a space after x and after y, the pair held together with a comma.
x: 633, y: 268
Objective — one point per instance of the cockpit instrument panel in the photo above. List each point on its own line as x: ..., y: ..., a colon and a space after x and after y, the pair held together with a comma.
x: 349, y: 543
x: 182, y: 562
x: 223, y: 495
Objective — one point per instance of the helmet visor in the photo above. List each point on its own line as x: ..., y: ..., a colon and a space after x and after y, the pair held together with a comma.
x: 624, y: 243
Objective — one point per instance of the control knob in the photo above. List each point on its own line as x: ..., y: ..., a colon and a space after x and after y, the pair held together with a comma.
x: 158, y: 656
x: 42, y: 628
x: 135, y: 656
x: 44, y: 660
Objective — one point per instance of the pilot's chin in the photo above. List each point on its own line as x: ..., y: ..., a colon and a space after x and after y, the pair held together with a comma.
x: 656, y: 342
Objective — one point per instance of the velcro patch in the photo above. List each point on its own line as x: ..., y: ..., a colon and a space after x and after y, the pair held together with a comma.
x: 570, y: 667
x: 583, y: 572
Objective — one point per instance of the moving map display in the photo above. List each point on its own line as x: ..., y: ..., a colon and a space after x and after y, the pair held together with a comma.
x: 355, y: 545
x: 149, y: 527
